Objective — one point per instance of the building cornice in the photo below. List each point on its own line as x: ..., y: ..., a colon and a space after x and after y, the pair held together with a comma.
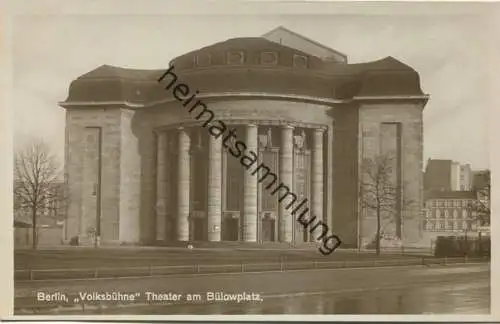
x: 227, y: 95
x: 423, y: 97
x: 224, y: 95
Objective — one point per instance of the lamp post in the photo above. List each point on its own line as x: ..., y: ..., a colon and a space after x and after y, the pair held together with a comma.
x: 294, y: 228
x: 361, y: 194
x: 359, y: 218
x: 402, y: 230
x: 467, y: 225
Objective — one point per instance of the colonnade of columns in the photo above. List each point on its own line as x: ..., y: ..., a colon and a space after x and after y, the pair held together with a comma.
x: 214, y: 210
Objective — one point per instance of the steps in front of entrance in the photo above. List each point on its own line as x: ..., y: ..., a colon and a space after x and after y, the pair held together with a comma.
x: 241, y: 245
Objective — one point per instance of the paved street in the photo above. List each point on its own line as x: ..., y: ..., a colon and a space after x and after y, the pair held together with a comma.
x: 273, y: 287
x: 472, y: 297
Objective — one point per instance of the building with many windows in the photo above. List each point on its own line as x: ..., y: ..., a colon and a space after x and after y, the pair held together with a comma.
x: 142, y: 168
x: 448, y: 212
x: 461, y: 177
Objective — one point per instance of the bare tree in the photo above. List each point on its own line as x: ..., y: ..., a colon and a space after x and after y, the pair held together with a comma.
x: 478, y: 209
x: 37, y: 185
x: 480, y: 206
x: 380, y: 193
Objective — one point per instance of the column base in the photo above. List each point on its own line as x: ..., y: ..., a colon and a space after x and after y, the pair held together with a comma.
x: 214, y: 237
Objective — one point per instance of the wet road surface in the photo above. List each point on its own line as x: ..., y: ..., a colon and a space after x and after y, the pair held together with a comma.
x: 463, y: 298
x: 412, y: 290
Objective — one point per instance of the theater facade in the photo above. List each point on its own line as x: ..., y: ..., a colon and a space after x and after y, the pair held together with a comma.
x: 142, y: 169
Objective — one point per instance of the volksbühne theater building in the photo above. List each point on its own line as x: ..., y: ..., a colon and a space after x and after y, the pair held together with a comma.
x: 141, y: 169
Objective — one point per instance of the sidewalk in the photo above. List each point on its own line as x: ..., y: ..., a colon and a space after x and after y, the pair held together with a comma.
x: 242, y: 248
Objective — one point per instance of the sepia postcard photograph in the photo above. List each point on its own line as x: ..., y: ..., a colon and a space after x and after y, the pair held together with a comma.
x: 247, y: 158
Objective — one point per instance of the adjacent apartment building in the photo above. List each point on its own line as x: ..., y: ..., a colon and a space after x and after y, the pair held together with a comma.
x: 453, y: 195
x: 448, y: 212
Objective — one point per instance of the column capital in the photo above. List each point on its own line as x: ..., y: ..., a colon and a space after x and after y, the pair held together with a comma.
x: 253, y: 125
x: 319, y: 130
x: 287, y: 126
x: 160, y: 132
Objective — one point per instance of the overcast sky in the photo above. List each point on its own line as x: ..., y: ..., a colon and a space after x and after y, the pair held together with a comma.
x: 449, y: 52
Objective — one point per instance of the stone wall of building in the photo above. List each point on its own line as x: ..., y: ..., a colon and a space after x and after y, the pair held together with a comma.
x: 128, y: 159
x: 90, y: 179
x: 130, y: 180
x: 102, y: 136
x: 345, y: 174
x: 371, y: 117
x: 147, y: 142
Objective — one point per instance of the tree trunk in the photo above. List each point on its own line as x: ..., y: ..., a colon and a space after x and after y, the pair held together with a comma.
x: 34, y: 236
x: 466, y: 241
x: 480, y: 246
x: 377, y: 244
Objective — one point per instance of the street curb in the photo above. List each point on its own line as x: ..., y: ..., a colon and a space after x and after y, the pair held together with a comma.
x: 250, y: 272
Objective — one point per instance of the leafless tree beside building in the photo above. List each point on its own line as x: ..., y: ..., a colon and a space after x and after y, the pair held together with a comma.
x: 381, y: 194
x: 37, y: 183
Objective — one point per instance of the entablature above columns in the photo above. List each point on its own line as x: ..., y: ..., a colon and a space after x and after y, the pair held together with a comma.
x: 244, y: 122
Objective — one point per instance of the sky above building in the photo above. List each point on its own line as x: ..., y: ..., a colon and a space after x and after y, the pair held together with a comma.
x: 449, y: 51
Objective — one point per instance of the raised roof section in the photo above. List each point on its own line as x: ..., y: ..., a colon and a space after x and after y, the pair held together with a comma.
x: 284, y: 36
x: 249, y: 65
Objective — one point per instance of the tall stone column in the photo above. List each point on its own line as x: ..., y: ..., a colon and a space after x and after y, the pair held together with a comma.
x: 250, y: 209
x: 286, y: 177
x: 161, y: 186
x: 317, y: 175
x: 183, y: 185
x: 214, y: 208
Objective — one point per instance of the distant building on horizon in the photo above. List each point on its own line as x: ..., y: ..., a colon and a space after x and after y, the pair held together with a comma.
x: 450, y: 213
x: 455, y: 212
x: 447, y: 175
x: 52, y: 206
x: 463, y: 175
x: 480, y: 179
